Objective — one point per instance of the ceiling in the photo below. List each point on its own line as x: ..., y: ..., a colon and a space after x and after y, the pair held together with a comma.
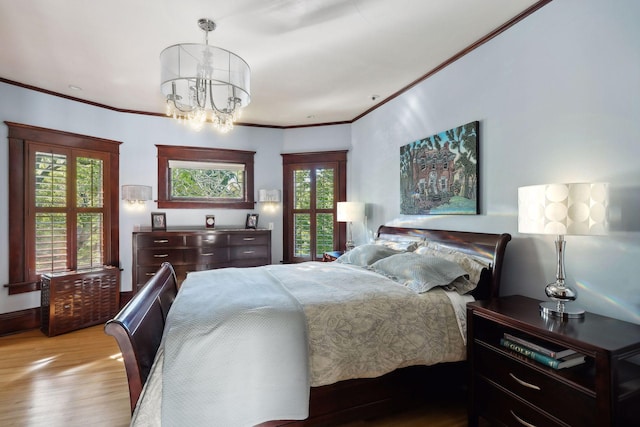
x: 312, y: 61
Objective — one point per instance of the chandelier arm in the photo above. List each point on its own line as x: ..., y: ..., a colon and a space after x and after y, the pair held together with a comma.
x: 173, y: 99
x: 227, y: 111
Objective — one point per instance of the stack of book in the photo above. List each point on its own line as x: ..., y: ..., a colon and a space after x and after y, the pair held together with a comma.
x: 544, y: 352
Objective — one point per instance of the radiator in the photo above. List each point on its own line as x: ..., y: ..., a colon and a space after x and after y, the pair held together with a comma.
x: 77, y: 299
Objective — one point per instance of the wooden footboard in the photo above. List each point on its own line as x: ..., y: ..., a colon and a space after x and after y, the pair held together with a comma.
x: 138, y: 327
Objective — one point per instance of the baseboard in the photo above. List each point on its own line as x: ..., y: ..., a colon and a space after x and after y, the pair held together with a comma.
x: 24, y: 320
x: 19, y: 321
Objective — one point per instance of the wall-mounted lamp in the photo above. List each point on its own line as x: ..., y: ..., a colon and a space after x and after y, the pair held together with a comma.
x: 349, y: 212
x: 136, y: 193
x: 269, y: 196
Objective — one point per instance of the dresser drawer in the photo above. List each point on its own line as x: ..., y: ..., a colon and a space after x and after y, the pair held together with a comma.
x: 158, y: 256
x: 210, y: 255
x: 251, y: 239
x: 207, y: 240
x: 505, y: 409
x: 150, y: 241
x: 248, y: 252
x: 535, y: 387
x: 145, y: 273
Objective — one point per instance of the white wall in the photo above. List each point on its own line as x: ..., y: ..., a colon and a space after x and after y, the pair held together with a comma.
x: 557, y: 100
x: 557, y: 97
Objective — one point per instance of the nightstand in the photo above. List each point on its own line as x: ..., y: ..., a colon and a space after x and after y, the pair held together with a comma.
x: 507, y: 388
x: 331, y: 256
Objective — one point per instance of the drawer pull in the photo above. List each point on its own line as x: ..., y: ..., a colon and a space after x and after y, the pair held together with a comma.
x: 249, y: 239
x: 161, y: 255
x: 209, y: 254
x: 149, y: 274
x: 524, y: 383
x: 66, y: 306
x: 161, y: 241
x: 521, y: 421
x: 248, y: 252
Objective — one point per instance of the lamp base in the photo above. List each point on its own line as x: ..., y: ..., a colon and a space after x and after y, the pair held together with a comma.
x: 561, y: 309
x: 350, y: 245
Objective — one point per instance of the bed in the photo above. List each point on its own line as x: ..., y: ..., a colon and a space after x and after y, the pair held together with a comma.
x: 160, y: 367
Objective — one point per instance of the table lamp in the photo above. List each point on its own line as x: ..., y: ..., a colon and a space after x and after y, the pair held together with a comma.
x: 563, y: 209
x: 349, y: 212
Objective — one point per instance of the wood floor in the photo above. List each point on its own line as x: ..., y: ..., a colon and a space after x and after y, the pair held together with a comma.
x: 78, y: 379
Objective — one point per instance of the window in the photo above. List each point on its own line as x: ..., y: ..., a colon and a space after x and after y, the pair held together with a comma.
x: 190, y: 177
x: 63, y: 213
x: 313, y: 183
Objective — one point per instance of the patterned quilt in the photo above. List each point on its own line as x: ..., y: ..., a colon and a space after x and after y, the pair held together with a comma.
x: 358, y: 324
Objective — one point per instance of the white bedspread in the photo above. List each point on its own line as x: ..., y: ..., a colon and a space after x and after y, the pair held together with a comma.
x: 235, y: 352
x: 360, y: 324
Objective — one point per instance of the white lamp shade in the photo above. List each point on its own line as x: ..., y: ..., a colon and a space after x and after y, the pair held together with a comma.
x: 564, y: 209
x: 136, y: 193
x: 350, y: 211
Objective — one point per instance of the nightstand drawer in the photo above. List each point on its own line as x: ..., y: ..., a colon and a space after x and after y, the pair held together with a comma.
x: 532, y: 385
x: 507, y: 410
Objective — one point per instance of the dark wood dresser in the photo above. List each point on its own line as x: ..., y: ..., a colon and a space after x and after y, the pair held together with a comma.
x: 194, y: 249
x: 77, y: 299
x: 507, y: 388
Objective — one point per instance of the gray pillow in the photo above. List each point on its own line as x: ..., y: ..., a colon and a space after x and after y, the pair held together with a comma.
x: 365, y: 255
x: 419, y: 272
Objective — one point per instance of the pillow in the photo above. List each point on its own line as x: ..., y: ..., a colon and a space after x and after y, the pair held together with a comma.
x: 365, y: 255
x: 418, y: 272
x: 471, y: 265
x: 461, y: 285
x: 399, y: 245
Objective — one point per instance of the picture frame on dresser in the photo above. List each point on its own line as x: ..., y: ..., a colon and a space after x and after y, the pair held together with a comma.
x: 158, y: 221
x: 252, y: 221
x: 210, y: 221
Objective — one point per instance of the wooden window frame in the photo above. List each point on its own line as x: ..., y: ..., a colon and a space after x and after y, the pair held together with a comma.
x: 22, y: 278
x: 218, y: 155
x: 294, y: 161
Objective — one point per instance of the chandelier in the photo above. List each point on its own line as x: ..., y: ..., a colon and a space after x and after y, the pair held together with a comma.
x: 204, y: 83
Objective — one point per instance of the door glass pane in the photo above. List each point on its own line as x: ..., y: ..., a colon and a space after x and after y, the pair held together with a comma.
x: 90, y: 242
x: 324, y: 188
x: 324, y: 233
x: 302, y: 235
x: 51, y: 242
x: 50, y: 180
x: 302, y: 189
x: 89, y: 183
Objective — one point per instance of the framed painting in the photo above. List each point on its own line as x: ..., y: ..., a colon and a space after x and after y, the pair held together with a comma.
x: 439, y: 174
